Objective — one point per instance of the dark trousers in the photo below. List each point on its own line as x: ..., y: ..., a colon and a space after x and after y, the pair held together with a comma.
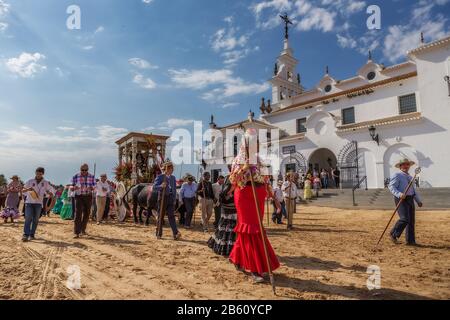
x: 337, y: 182
x: 170, y: 213
x: 72, y: 199
x: 107, y: 206
x: 277, y: 217
x: 32, y: 215
x: 325, y: 183
x: 182, y: 212
x: 407, y: 214
x: 2, y: 202
x: 189, y: 204
x: 83, y: 204
x: 217, y: 212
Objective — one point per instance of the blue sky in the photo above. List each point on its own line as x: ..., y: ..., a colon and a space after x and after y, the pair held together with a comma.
x: 141, y: 65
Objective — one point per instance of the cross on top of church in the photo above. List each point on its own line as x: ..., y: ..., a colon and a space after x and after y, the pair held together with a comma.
x: 287, y: 22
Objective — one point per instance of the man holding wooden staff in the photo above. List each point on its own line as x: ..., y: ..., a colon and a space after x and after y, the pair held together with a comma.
x: 398, y: 184
x: 165, y: 185
x: 290, y: 194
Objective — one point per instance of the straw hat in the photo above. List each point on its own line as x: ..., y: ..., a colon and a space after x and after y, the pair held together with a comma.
x: 15, y: 177
x: 404, y: 161
x: 167, y: 164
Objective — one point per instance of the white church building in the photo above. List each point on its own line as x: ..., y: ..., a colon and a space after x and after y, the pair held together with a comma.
x: 366, y: 123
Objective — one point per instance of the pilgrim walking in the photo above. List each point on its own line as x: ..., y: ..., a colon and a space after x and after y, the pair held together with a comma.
x: 102, y: 189
x: 36, y: 190
x: 166, y: 186
x: 83, y: 184
x: 14, y: 190
x: 252, y: 251
x: 223, y: 239
x: 398, y: 186
x: 206, y: 194
x: 187, y: 194
x: 290, y: 194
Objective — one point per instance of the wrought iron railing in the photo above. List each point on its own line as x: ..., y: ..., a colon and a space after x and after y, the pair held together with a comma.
x: 357, y: 186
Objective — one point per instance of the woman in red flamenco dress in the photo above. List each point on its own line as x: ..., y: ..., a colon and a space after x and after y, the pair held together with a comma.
x: 248, y: 251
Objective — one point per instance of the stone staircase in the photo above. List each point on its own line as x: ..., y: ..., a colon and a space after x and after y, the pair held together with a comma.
x: 433, y: 199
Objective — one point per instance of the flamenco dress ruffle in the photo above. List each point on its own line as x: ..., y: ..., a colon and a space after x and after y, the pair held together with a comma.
x: 10, y: 213
x: 248, y: 251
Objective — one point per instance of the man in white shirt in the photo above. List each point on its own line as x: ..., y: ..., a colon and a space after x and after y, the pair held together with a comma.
x: 36, y: 189
x: 290, y: 193
x: 278, y: 194
x: 102, y: 189
x: 217, y: 189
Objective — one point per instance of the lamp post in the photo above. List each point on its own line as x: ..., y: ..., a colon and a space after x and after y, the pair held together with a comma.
x: 374, y: 135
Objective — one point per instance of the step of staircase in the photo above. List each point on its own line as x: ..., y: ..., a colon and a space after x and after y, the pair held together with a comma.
x: 433, y: 199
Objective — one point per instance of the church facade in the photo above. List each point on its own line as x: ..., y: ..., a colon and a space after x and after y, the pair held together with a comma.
x: 363, y: 125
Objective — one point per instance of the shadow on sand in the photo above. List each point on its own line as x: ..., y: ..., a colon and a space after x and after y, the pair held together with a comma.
x: 351, y: 292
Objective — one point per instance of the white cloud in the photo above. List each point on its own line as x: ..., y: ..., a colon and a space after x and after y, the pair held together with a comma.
x: 4, y: 8
x: 27, y: 65
x: 99, y: 29
x: 60, y: 152
x: 175, y: 122
x: 141, y: 63
x: 227, y: 40
x: 229, y: 105
x: 346, y: 42
x: 147, y: 1
x: 226, y: 85
x: 65, y: 128
x: 88, y: 48
x: 231, y: 45
x: 314, y: 17
x: 199, y: 79
x: 144, y: 82
x: 275, y: 7
x: 400, y: 39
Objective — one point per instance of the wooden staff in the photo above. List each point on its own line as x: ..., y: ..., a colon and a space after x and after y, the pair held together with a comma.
x: 289, y: 209
x: 261, y: 228
x: 161, y: 210
x: 417, y: 171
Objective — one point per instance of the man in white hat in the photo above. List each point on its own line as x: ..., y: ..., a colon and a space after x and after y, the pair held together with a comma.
x: 397, y: 185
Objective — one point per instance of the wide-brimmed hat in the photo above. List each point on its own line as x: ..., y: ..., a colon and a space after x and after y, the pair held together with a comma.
x: 167, y: 164
x: 188, y: 177
x: 404, y: 161
x: 15, y: 177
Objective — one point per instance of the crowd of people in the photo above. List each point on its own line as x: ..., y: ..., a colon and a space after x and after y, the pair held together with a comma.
x: 238, y: 201
x: 40, y: 198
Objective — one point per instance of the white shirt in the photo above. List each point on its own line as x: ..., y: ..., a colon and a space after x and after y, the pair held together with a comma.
x: 40, y: 188
x: 99, y: 188
x: 217, y: 188
x: 292, y: 193
x: 278, y: 194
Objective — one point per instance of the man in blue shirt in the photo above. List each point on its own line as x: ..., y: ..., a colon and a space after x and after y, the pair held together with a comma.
x: 168, y: 182
x: 188, y: 192
x: 407, y: 211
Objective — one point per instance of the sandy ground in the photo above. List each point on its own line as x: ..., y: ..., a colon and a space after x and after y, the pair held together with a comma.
x: 325, y: 257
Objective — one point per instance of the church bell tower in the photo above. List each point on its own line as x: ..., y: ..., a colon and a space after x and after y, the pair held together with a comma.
x: 285, y: 82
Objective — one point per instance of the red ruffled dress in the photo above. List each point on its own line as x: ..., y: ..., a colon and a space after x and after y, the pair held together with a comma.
x: 248, y: 251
